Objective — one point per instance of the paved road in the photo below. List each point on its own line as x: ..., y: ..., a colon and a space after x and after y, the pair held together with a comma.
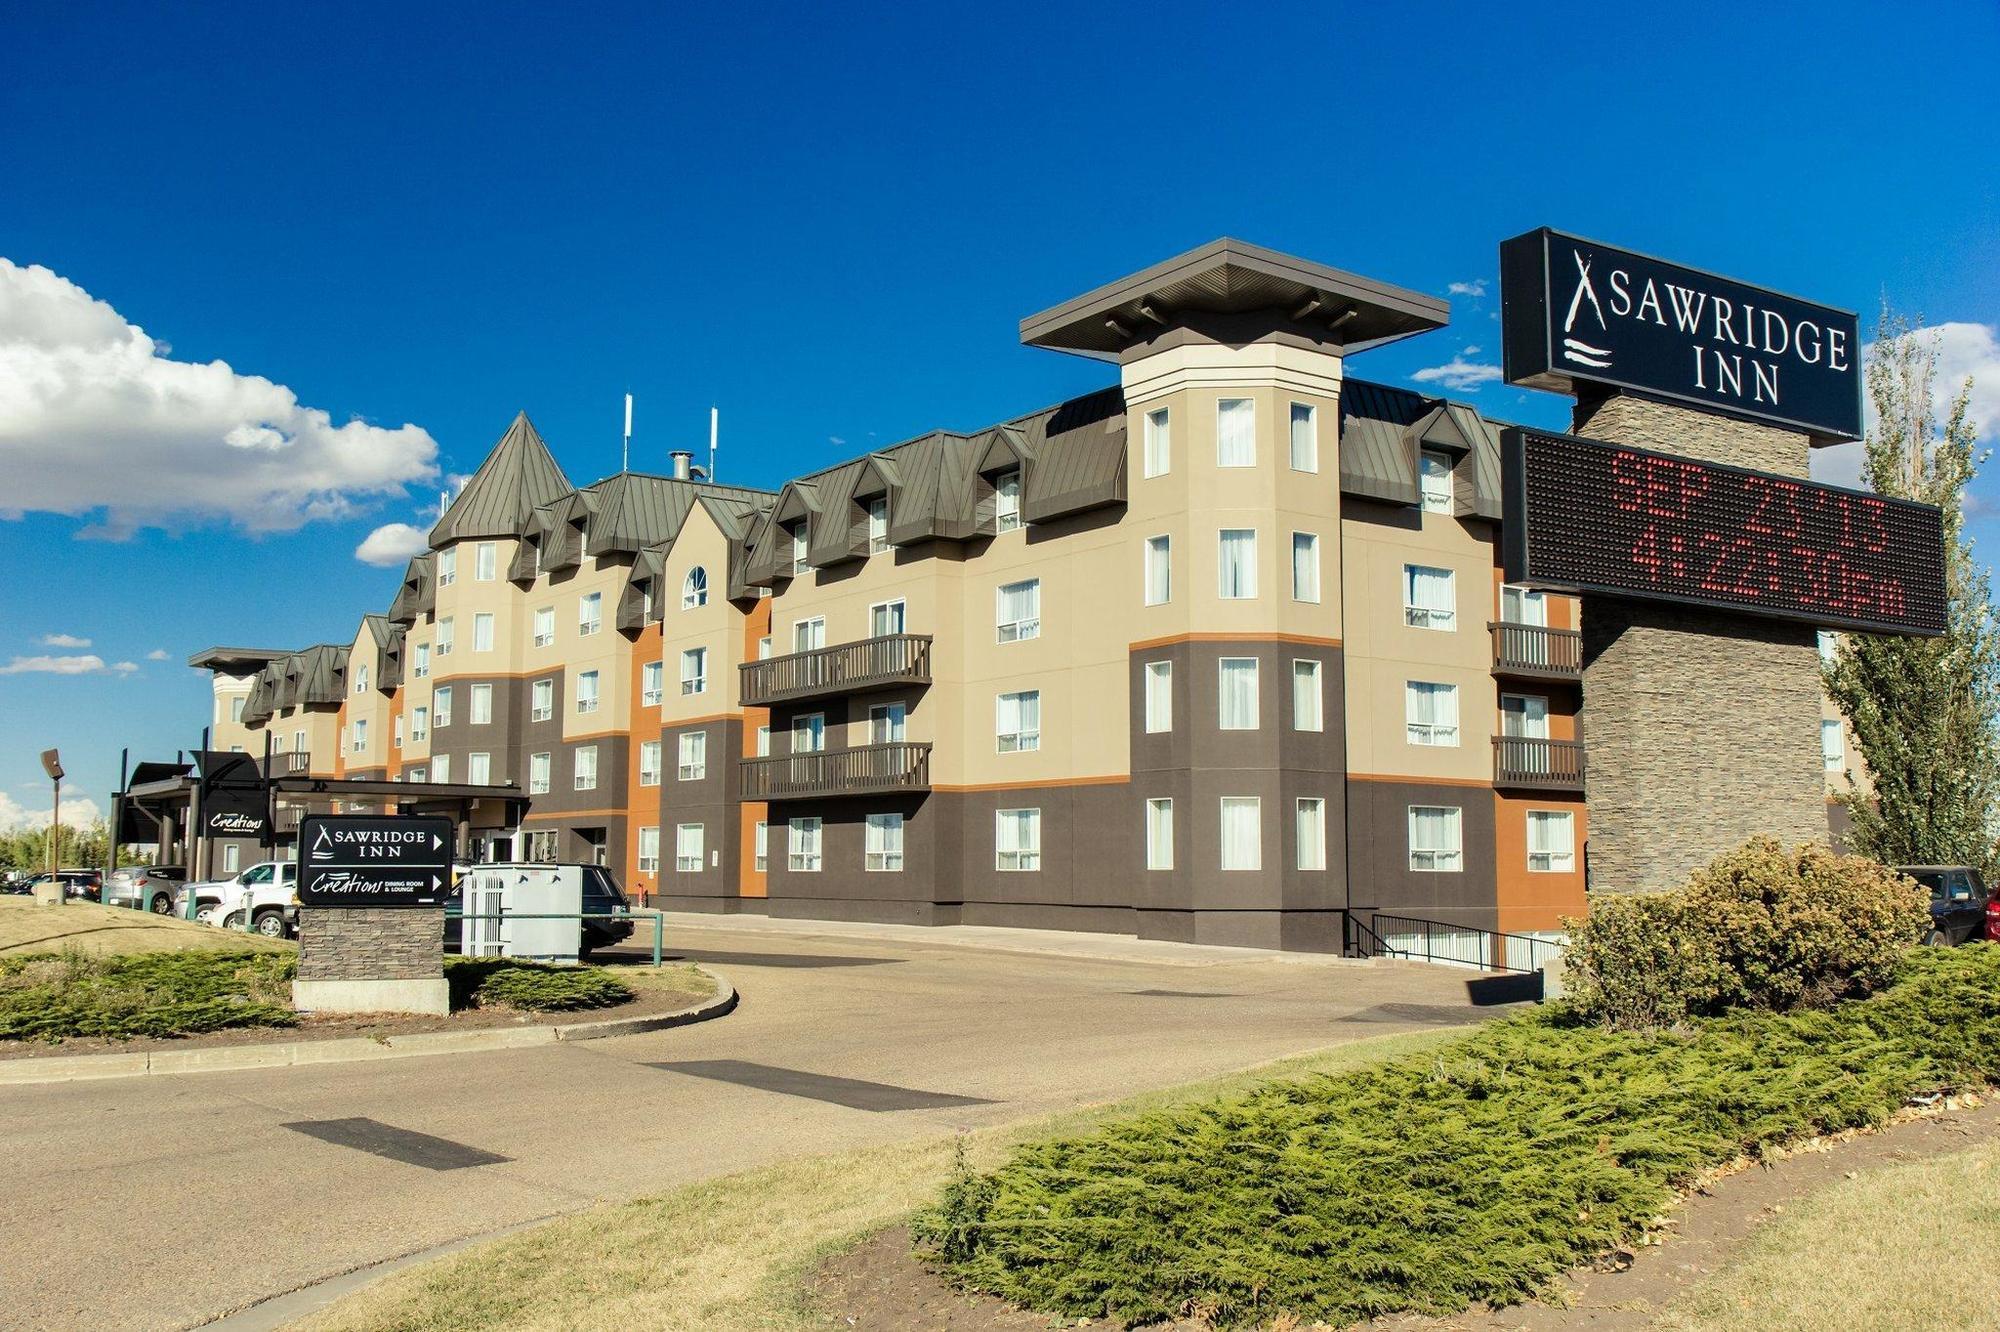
x: 165, y: 1202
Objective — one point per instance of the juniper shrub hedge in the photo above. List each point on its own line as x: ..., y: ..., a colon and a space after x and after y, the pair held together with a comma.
x: 536, y: 987
x: 1477, y: 1173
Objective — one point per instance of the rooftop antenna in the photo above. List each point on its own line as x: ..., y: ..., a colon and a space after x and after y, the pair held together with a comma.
x: 628, y: 434
x: 714, y: 427
x: 444, y: 502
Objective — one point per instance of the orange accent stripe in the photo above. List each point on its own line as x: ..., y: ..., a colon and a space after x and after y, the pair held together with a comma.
x: 581, y: 813
x: 1307, y: 640
x: 1033, y: 786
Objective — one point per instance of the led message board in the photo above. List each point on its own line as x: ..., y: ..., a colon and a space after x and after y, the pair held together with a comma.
x: 1585, y: 516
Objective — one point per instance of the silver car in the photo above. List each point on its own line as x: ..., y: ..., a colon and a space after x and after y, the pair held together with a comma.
x: 145, y: 888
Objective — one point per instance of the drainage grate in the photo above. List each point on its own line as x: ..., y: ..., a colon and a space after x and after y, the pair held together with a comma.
x: 386, y: 1140
x: 850, y: 1092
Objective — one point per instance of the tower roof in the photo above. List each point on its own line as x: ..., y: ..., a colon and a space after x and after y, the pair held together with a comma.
x: 518, y: 477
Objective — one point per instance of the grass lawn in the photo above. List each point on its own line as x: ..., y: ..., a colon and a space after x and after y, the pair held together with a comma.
x: 1899, y: 1247
x: 102, y: 930
x: 732, y: 1255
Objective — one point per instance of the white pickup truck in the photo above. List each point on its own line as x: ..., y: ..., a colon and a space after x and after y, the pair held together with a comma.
x: 270, y: 888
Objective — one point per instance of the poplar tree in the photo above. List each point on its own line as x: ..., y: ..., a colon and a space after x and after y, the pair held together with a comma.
x: 1925, y: 712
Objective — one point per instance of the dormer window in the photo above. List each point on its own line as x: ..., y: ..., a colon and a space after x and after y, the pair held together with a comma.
x: 694, y: 588
x: 583, y: 540
x: 878, y: 524
x: 1436, y: 481
x: 1007, y: 502
x: 798, y: 534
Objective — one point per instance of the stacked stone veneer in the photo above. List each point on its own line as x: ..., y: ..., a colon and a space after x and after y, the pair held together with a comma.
x: 371, y: 943
x: 1702, y: 727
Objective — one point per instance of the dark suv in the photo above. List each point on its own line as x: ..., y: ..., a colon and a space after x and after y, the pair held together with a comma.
x: 1958, y: 901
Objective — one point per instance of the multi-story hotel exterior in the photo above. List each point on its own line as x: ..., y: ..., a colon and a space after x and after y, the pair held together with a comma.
x: 1214, y: 653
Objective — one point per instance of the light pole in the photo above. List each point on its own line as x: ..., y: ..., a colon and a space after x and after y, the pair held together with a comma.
x: 52, y: 765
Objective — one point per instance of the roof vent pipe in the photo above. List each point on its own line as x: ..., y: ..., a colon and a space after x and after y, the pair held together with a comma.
x: 682, y: 460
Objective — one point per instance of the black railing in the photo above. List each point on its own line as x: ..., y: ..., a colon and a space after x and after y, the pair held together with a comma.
x: 1413, y: 939
x: 1530, y: 761
x: 862, y: 770
x: 867, y: 663
x: 1537, y: 651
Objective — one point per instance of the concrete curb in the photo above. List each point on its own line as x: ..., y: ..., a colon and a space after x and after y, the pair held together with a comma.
x: 292, y: 1054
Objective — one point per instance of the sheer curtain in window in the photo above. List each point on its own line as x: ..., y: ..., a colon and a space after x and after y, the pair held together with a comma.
x: 1434, y: 838
x: 1551, y: 840
x: 1305, y: 438
x: 1236, y: 433
x: 1237, y: 568
x: 1159, y: 570
x: 1312, y: 833
x: 1239, y: 694
x: 1305, y: 566
x: 1429, y: 598
x: 1431, y: 713
x: 1241, y: 842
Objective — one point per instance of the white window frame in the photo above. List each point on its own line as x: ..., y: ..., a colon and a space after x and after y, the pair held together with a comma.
x: 422, y: 669
x: 1023, y: 858
x: 584, y: 781
x: 1256, y: 861
x: 1551, y: 859
x: 1436, y: 733
x: 542, y: 700
x: 1023, y: 627
x: 420, y: 726
x: 694, y: 588
x: 360, y: 687
x: 809, y: 634
x: 1159, y: 438
x: 690, y: 847
x: 441, y: 707
x: 812, y: 727
x: 1159, y: 836
x: 447, y: 567
x: 1440, y: 618
x: 882, y: 852
x: 447, y: 634
x: 803, y: 851
x: 882, y: 612
x: 360, y: 734
x: 1304, y: 444
x: 541, y: 767
x: 485, y: 562
x: 482, y: 631
x: 1007, y: 502
x: 1222, y: 693
x: 441, y: 769
x: 652, y: 684
x: 1434, y: 489
x: 1308, y: 695
x: 1832, y: 756
x: 479, y: 706
x: 692, y: 764
x: 479, y: 769
x: 649, y: 849
x: 1159, y: 685
x: 1244, y: 586
x: 1022, y: 739
x: 1305, y: 575
x: 878, y: 524
x: 589, y: 691
x: 888, y: 723
x: 649, y: 762
x: 761, y: 847
x: 545, y: 626
x: 1157, y: 569
x: 800, y: 542
x: 589, y: 614
x: 1445, y: 859
x: 1225, y: 456
x: 1309, y: 832
x: 694, y: 681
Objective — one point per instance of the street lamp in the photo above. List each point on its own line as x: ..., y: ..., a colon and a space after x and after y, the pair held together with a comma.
x: 52, y: 765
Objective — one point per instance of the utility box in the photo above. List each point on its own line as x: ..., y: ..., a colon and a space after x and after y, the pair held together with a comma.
x: 512, y: 892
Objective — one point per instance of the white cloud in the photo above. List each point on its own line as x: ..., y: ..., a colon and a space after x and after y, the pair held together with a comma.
x: 1459, y: 374
x: 88, y: 663
x: 15, y: 817
x: 392, y: 544
x: 836, y: 440
x: 1964, y: 350
x: 1475, y: 288
x: 64, y: 641
x: 96, y: 420
x: 157, y: 654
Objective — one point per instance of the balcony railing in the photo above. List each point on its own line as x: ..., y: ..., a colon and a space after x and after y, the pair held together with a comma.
x: 868, y: 663
x: 1537, y: 651
x: 863, y: 770
x: 289, y: 763
x: 1548, y: 765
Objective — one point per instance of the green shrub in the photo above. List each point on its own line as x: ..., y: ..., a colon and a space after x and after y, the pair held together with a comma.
x: 1478, y: 1173
x: 1762, y: 927
x: 51, y: 996
x: 535, y: 987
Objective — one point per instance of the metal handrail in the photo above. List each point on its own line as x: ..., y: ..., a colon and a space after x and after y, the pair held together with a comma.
x: 659, y: 920
x: 1495, y: 947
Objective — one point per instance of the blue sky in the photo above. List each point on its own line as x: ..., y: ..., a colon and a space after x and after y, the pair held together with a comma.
x: 828, y: 223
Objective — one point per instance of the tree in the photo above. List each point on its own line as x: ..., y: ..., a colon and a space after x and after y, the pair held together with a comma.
x: 1925, y: 711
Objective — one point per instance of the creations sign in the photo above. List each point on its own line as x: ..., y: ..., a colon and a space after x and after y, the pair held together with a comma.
x: 235, y: 798
x: 361, y: 860
x: 1574, y: 311
x: 1585, y: 516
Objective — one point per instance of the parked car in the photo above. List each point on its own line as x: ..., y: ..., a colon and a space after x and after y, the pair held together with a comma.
x: 145, y: 887
x: 77, y: 884
x: 15, y: 882
x: 601, y: 896
x: 1959, y: 901
x: 270, y: 889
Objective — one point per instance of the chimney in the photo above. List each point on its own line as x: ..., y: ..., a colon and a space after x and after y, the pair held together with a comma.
x: 682, y: 459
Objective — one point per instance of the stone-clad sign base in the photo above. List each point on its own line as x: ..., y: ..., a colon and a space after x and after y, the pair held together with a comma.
x: 371, y: 960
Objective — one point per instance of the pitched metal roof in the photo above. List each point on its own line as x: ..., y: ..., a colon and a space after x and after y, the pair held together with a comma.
x: 1383, y: 430
x: 631, y: 510
x: 518, y: 477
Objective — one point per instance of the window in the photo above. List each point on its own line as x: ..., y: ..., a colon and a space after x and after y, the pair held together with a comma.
x: 445, y: 634
x: 1159, y: 570
x: 479, y: 769
x: 1308, y: 708
x: 485, y: 562
x: 545, y: 626
x: 395, y: 734
x: 764, y: 648
x: 1018, y: 721
x: 423, y: 662
x: 1017, y: 839
x: 542, y: 848
x: 236, y: 708
x: 1007, y: 502
x: 1305, y: 437
x: 1430, y: 713
x: 413, y: 775
x: 361, y: 736
x: 652, y: 690
x: 482, y: 632
x: 1832, y: 746
x: 299, y: 739
x: 1551, y: 841
x: 1159, y: 697
x: 1242, y: 833
x: 763, y: 847
x: 538, y: 774
x: 694, y: 670
x: 1430, y: 599
x: 1436, y: 482
x: 1523, y: 605
x: 809, y: 635
x: 420, y: 727
x: 1018, y: 610
x: 1309, y: 823
x: 541, y: 700
x: 447, y: 567
x: 1829, y: 646
x: 278, y: 743
x: 688, y: 852
x: 482, y: 704
x: 803, y: 848
x: 887, y: 723
x: 1305, y: 566
x: 878, y: 524
x: 883, y: 846
x: 441, y: 705
x: 1434, y: 839
x: 1238, y: 699
x: 809, y: 733
x: 586, y: 691
x: 590, y: 613
x: 1159, y: 442
x: 763, y: 742
x: 885, y: 618
x: 360, y: 687
x: 694, y: 756
x: 1235, y: 433
x: 649, y: 850
x: 441, y: 769
x: 1159, y: 834
x: 1237, y: 565
x: 586, y: 767
x: 649, y: 763
x: 694, y: 588
x: 798, y: 534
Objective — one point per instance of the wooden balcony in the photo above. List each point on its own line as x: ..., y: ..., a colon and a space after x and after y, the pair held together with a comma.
x: 846, y: 668
x: 1537, y: 652
x: 828, y: 773
x: 1542, y: 765
x: 288, y: 763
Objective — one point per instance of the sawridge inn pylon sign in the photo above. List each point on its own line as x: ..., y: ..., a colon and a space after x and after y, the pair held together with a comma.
x: 1577, y: 312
